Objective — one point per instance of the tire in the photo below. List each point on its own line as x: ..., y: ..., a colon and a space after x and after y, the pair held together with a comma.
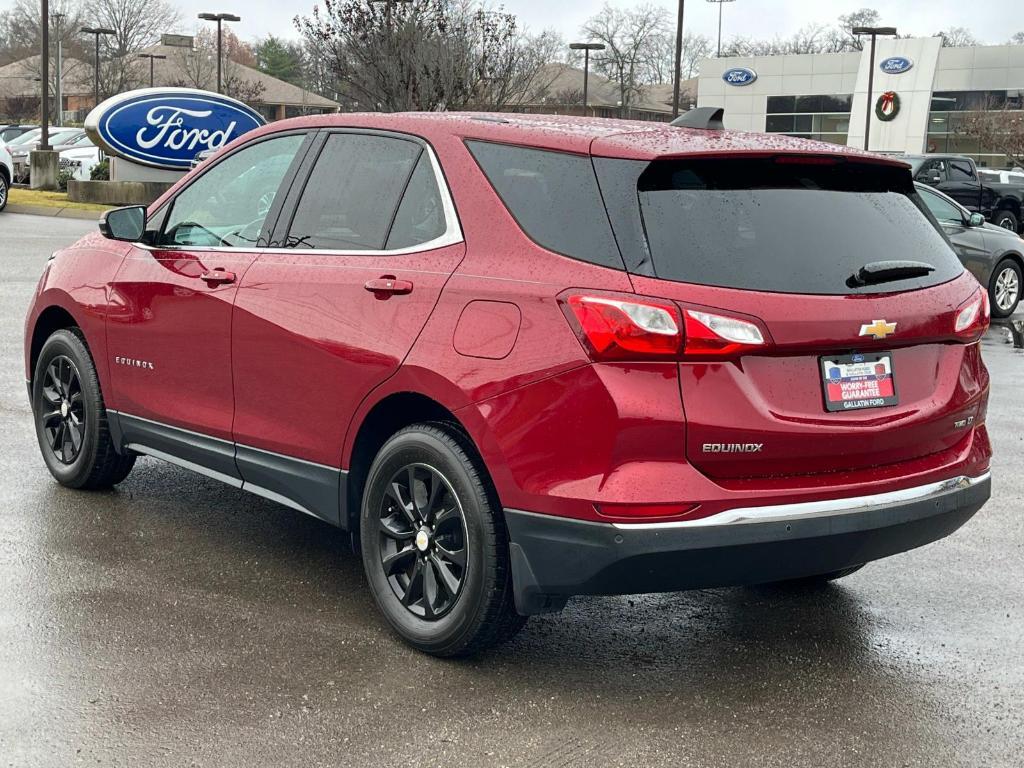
x: 1007, y: 220
x: 437, y: 560
x: 70, y: 417
x: 1005, y: 288
x: 5, y: 190
x: 816, y: 580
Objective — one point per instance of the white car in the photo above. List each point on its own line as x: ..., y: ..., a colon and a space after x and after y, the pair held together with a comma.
x: 6, y: 174
x: 79, y: 161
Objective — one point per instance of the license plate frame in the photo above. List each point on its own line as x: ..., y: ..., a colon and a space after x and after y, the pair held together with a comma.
x: 860, y: 384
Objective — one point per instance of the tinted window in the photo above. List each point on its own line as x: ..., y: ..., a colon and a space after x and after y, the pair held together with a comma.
x: 960, y: 170
x: 352, y: 195
x: 926, y: 170
x: 942, y: 209
x: 420, y: 216
x: 785, y: 227
x: 554, y: 197
x: 227, y: 205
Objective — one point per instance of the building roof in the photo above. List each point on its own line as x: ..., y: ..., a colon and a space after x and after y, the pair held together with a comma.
x: 21, y: 78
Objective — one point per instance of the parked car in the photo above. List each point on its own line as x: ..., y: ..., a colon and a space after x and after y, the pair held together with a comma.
x: 79, y: 158
x: 958, y: 177
x: 6, y: 174
x: 13, y: 131
x: 993, y: 255
x: 202, y: 157
x: 22, y: 148
x: 520, y: 358
x: 1016, y: 176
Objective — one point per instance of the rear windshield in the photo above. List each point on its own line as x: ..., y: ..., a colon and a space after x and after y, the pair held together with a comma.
x: 786, y: 224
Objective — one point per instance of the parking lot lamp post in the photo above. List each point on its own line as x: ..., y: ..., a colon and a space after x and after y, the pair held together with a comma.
x: 152, y: 57
x: 678, y: 64
x: 44, y: 123
x: 720, y: 3
x: 96, y: 32
x: 586, y: 48
x: 874, y: 32
x: 220, y: 18
x: 58, y: 20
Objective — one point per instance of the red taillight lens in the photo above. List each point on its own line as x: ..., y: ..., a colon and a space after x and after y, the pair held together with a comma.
x: 710, y: 335
x: 973, y: 317
x: 624, y: 329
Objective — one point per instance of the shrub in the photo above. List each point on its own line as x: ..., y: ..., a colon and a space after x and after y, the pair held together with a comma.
x: 101, y: 171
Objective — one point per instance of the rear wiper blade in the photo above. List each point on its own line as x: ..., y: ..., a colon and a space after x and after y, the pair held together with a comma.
x: 888, y: 271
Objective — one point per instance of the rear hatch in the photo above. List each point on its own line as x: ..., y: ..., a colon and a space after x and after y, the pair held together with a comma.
x: 820, y: 303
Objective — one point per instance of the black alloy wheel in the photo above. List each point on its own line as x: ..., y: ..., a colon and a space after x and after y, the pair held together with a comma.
x: 63, y: 420
x: 422, y: 541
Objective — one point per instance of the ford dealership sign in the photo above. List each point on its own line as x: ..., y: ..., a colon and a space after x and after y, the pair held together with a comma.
x: 895, y: 65
x: 739, y: 76
x: 168, y: 127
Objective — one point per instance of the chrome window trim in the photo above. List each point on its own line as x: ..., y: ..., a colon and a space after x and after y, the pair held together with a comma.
x: 452, y: 235
x: 815, y: 509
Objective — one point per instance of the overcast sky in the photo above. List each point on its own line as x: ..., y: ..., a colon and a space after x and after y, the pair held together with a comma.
x: 760, y: 18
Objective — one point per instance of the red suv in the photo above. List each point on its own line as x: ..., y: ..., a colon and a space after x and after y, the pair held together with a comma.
x: 521, y: 358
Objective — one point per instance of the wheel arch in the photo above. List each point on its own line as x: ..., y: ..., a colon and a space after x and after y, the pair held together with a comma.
x: 50, y: 320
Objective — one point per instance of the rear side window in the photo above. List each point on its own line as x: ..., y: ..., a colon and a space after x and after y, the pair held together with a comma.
x: 785, y: 225
x: 353, y: 193
x: 554, y: 197
x: 960, y: 170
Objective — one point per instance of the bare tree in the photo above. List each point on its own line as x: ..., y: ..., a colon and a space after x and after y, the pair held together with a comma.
x: 198, y: 66
x: 957, y: 37
x: 1017, y: 38
x: 136, y: 24
x: 997, y: 128
x: 24, y: 24
x: 865, y: 17
x: 629, y: 37
x: 663, y: 56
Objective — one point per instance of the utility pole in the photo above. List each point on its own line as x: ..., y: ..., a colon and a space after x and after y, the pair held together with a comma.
x: 152, y: 57
x: 586, y: 48
x: 220, y: 18
x: 678, y: 61
x: 720, y: 3
x: 96, y: 32
x: 44, y: 137
x: 58, y: 19
x: 874, y: 32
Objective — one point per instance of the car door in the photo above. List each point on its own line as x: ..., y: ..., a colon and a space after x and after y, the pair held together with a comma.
x: 169, y: 330
x: 968, y: 242
x: 362, y: 251
x: 932, y: 172
x: 963, y: 185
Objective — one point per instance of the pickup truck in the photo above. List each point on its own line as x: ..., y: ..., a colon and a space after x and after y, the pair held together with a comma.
x: 958, y: 177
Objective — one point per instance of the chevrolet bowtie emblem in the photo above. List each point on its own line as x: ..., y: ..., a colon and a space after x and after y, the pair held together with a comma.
x: 879, y: 329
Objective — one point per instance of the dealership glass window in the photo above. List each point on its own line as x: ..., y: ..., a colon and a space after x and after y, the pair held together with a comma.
x: 947, y: 123
x: 825, y: 117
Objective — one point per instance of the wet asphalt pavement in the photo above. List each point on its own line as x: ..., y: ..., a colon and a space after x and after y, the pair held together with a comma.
x: 178, y: 622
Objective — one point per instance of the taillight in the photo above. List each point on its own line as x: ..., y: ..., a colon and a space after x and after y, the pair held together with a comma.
x: 639, y: 328
x: 973, y: 317
x: 627, y: 329
x: 710, y: 335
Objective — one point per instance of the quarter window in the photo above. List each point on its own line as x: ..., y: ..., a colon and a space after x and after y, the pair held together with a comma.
x: 353, y: 195
x: 228, y: 205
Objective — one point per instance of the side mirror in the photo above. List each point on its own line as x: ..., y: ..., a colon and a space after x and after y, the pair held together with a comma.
x: 127, y: 224
x: 934, y: 178
x: 977, y: 220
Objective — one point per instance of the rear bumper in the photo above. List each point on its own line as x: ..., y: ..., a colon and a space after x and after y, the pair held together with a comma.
x: 554, y: 558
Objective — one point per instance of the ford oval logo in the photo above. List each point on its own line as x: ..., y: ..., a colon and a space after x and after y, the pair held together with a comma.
x: 739, y: 76
x: 895, y: 65
x: 168, y: 127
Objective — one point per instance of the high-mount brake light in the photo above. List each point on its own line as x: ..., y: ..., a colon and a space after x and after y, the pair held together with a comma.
x: 806, y: 160
x: 627, y: 329
x: 973, y: 317
x: 710, y: 335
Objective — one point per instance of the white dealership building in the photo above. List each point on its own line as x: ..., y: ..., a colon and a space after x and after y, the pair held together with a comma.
x: 920, y: 95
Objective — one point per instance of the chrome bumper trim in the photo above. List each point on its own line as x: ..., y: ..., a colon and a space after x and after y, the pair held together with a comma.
x: 812, y: 509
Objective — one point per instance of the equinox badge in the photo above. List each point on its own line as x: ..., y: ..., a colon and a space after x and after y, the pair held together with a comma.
x: 879, y: 329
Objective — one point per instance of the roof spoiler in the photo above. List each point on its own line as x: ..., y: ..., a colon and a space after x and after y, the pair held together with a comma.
x: 703, y: 118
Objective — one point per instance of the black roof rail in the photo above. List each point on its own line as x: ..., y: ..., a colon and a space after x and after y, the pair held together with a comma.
x: 704, y: 118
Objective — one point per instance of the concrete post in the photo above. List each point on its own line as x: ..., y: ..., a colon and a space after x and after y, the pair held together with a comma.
x: 45, y: 165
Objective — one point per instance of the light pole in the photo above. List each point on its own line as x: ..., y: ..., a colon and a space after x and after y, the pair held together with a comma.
x: 874, y: 32
x: 220, y: 18
x: 720, y: 3
x: 388, y: 6
x: 58, y: 19
x: 44, y: 123
x: 678, y: 62
x: 152, y: 57
x: 96, y: 32
x: 586, y: 48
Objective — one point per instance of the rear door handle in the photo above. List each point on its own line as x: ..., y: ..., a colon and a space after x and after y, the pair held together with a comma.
x: 389, y: 284
x: 218, y: 277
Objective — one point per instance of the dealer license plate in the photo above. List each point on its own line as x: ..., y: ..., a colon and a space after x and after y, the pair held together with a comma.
x: 855, y: 382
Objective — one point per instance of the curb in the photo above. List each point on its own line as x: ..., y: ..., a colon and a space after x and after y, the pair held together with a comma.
x: 54, y: 212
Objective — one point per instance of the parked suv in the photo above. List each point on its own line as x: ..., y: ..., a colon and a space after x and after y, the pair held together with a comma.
x: 521, y: 358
